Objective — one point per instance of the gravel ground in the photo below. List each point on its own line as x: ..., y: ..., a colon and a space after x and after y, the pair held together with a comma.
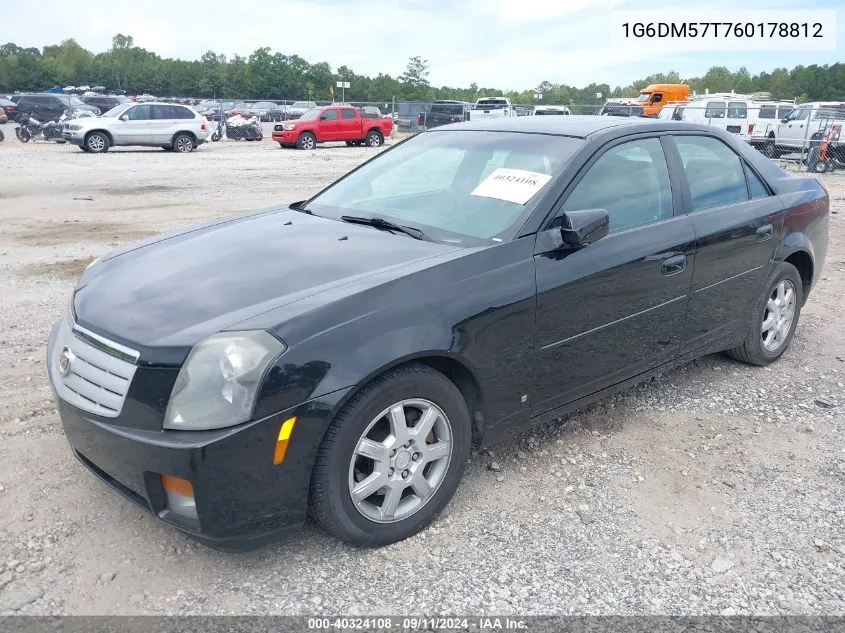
x: 716, y: 488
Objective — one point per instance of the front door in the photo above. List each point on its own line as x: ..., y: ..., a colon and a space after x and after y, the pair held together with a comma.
x: 737, y: 224
x: 329, y: 127
x: 794, y: 132
x: 617, y: 307
x: 134, y: 128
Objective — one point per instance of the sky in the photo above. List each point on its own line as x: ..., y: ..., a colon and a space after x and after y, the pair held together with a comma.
x: 509, y: 44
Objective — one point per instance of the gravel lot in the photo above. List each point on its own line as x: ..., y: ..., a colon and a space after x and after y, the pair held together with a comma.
x: 717, y: 488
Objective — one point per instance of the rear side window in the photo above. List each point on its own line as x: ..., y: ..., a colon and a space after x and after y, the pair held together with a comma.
x: 182, y: 113
x: 715, y: 110
x: 161, y: 112
x: 767, y: 112
x: 737, y: 110
x: 714, y: 172
x: 346, y: 113
x: 755, y: 186
x: 631, y: 181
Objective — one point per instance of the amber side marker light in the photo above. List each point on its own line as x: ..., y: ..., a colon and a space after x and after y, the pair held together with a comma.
x: 180, y: 496
x: 282, y: 441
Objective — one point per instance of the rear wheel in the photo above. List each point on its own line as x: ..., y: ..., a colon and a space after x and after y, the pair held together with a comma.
x: 392, y: 458
x: 306, y: 140
x: 97, y: 142
x: 773, y: 317
x: 374, y: 138
x: 183, y: 143
x: 770, y: 148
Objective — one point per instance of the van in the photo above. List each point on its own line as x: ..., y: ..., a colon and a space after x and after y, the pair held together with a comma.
x: 652, y: 98
x: 672, y: 111
x: 749, y: 117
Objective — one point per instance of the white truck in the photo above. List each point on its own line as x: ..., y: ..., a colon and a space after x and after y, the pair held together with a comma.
x: 794, y: 133
x: 492, y: 107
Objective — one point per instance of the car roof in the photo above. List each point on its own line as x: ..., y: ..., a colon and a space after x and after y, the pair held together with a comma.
x: 579, y: 126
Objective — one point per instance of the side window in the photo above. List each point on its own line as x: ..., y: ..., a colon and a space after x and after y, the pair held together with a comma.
x: 783, y: 111
x: 161, y: 112
x: 679, y: 114
x: 329, y: 115
x: 715, y: 110
x: 803, y: 113
x: 737, y: 110
x: 657, y: 98
x: 182, y: 113
x: 138, y: 113
x: 347, y: 113
x: 631, y: 181
x: 767, y: 112
x: 714, y: 172
x: 755, y: 185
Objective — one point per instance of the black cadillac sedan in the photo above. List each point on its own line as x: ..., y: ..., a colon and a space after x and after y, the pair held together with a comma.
x: 341, y: 356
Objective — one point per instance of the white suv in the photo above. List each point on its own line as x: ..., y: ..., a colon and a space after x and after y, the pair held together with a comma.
x: 166, y: 125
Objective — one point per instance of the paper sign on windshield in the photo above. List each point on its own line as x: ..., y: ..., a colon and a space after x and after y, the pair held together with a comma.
x: 512, y: 185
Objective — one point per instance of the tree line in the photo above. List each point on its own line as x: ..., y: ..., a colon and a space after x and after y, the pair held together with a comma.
x: 276, y: 76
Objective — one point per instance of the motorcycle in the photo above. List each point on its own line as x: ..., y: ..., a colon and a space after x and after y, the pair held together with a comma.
x: 33, y: 129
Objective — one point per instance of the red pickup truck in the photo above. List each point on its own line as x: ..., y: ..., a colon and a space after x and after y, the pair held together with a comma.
x: 333, y: 123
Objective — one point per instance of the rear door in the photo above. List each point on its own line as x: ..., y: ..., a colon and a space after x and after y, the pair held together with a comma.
x: 162, y: 124
x: 736, y: 121
x: 349, y: 126
x: 737, y: 223
x: 617, y: 307
x: 715, y: 113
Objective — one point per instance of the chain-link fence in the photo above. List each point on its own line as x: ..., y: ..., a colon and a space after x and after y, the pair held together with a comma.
x: 807, y: 135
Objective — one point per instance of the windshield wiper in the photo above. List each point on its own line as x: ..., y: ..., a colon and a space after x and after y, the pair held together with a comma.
x: 381, y: 223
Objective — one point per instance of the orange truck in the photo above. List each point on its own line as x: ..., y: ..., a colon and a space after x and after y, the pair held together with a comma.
x: 655, y: 96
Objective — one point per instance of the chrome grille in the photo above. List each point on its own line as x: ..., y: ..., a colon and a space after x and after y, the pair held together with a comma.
x: 98, y: 377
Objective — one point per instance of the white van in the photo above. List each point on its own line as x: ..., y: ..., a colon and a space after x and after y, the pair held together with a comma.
x: 769, y: 115
x: 672, y: 111
x: 728, y: 112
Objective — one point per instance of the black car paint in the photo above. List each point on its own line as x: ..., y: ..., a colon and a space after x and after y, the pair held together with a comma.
x: 527, y: 329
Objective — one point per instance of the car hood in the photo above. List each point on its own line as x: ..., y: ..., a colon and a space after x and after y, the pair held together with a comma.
x: 173, y: 291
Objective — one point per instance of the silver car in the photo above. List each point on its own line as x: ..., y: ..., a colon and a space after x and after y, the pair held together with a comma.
x: 166, y: 125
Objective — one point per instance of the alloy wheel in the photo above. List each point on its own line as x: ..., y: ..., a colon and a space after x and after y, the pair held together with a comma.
x: 400, y: 460
x: 778, y: 316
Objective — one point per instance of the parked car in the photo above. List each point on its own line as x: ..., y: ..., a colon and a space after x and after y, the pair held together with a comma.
x: 621, y: 107
x: 298, y: 108
x: 331, y: 123
x: 653, y: 97
x: 219, y: 111
x: 794, y: 132
x: 443, y: 112
x: 463, y: 285
x: 492, y: 108
x: 49, y: 107
x: 105, y: 103
x: 267, y: 111
x: 9, y: 107
x: 151, y: 124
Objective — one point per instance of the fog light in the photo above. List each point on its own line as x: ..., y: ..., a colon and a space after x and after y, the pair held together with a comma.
x: 180, y: 496
x: 282, y: 441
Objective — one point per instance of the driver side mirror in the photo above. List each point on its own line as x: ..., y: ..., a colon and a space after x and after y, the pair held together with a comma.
x: 581, y: 228
x: 323, y: 117
x: 124, y: 117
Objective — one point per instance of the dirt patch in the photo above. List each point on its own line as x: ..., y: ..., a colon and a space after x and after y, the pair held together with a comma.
x: 143, y: 189
x: 71, y: 232
x: 66, y: 269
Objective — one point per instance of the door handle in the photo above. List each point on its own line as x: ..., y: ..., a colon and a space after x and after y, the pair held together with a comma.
x: 765, y: 232
x: 673, y: 265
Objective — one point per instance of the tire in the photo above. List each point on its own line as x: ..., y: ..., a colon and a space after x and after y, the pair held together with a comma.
x: 753, y: 350
x: 216, y: 136
x: 306, y: 141
x: 339, y: 468
x: 2, y: 136
x: 97, y: 142
x: 184, y: 143
x: 23, y: 134
x: 350, y: 143
x: 374, y: 139
x: 281, y: 145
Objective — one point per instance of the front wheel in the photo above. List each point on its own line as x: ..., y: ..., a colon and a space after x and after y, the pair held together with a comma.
x: 773, y: 317
x: 97, y: 142
x: 23, y: 134
x: 392, y: 458
x: 306, y: 140
x: 770, y: 149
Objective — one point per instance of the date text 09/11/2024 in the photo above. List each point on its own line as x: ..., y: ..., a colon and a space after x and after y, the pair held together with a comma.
x: 417, y: 623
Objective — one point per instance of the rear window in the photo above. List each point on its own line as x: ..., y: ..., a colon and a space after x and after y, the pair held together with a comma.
x: 491, y: 104
x: 447, y: 108
x: 715, y: 110
x: 768, y: 112
x: 737, y: 110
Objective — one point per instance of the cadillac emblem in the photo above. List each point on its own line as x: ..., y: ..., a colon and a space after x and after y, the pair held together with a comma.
x: 65, y: 361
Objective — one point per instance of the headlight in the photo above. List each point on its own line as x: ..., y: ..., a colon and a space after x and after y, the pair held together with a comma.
x: 218, y: 383
x: 289, y: 126
x: 74, y: 127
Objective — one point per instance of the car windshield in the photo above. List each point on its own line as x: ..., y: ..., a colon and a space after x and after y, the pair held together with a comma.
x: 310, y: 114
x: 116, y: 110
x: 447, y: 108
x: 643, y: 97
x: 300, y: 105
x: 468, y: 188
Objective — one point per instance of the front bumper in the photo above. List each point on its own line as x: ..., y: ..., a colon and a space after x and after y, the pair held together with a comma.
x: 243, y: 500
x: 285, y: 136
x: 73, y: 136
